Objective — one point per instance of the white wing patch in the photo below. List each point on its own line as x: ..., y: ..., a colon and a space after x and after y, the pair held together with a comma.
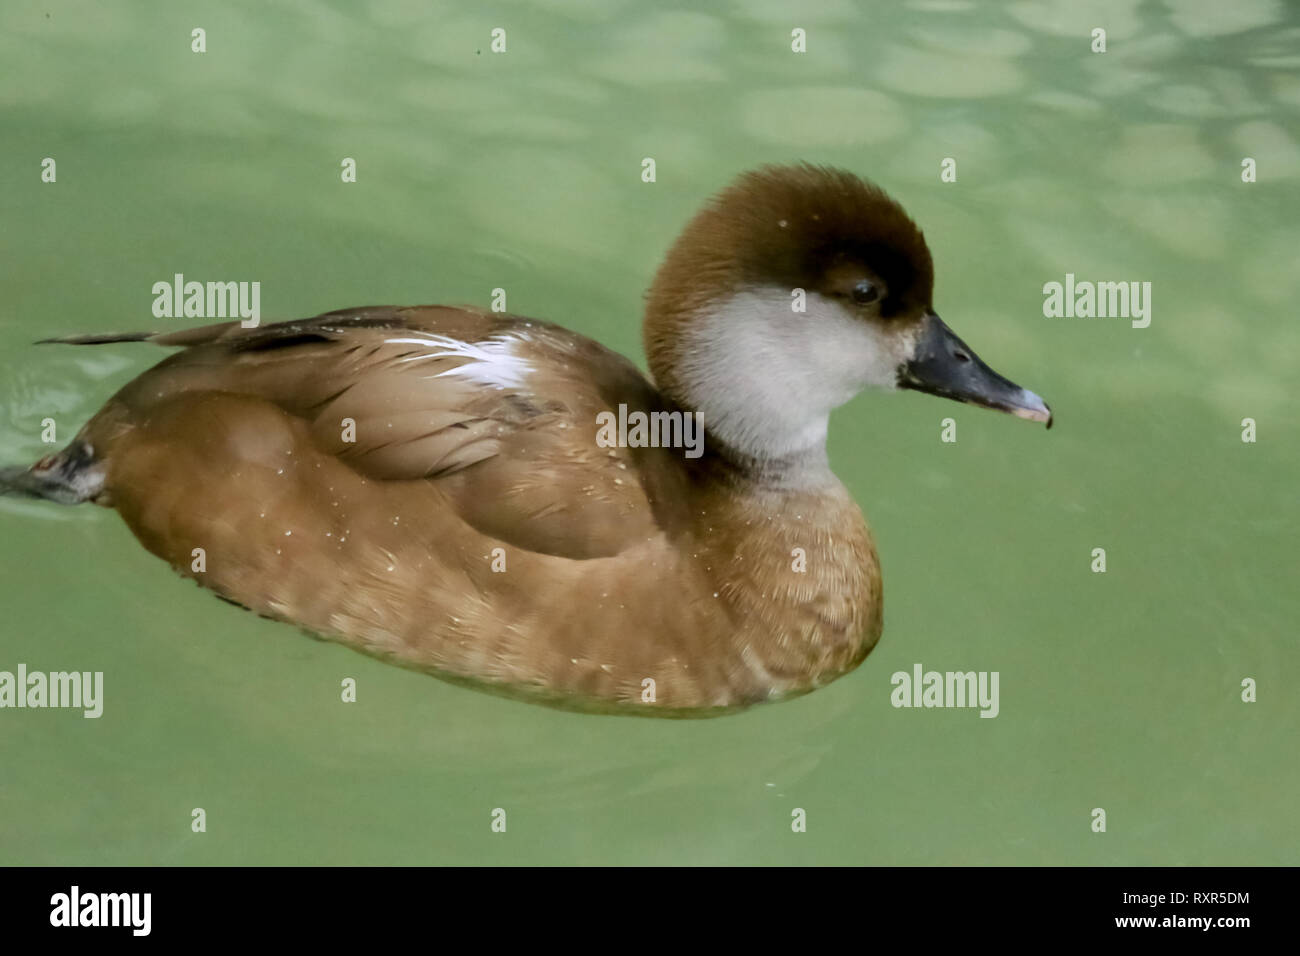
x: 495, y: 362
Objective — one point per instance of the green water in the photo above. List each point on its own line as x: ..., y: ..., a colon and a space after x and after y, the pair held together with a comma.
x: 522, y: 170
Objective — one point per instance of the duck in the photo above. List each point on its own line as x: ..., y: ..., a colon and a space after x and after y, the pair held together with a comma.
x: 425, y: 484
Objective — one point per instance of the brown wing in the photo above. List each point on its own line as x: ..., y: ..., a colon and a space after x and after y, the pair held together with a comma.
x: 498, y: 412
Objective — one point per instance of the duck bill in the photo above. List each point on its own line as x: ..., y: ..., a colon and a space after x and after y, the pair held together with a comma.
x: 944, y: 365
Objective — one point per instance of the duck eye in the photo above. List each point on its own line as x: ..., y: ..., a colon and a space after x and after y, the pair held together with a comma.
x: 865, y: 291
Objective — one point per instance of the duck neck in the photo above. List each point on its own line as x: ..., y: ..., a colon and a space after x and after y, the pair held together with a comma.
x: 764, y: 379
x: 803, y: 470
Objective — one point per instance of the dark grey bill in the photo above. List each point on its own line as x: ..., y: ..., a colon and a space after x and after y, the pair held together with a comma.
x: 945, y: 365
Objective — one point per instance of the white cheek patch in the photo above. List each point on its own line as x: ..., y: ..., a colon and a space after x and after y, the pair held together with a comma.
x: 766, y: 377
x: 495, y: 362
x: 854, y: 353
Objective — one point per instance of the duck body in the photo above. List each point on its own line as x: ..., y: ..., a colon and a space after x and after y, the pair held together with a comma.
x: 473, y: 528
x: 425, y: 484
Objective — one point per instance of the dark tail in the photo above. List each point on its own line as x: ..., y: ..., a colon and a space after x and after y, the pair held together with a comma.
x: 199, y: 335
x: 69, y: 477
x: 98, y: 338
x: 74, y: 475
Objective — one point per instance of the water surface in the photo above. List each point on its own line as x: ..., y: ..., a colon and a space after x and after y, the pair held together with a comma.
x: 522, y: 170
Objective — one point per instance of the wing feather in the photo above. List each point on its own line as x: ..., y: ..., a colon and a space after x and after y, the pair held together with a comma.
x: 498, y: 412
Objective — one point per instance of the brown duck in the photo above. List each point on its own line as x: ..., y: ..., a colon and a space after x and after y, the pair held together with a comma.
x: 441, y: 486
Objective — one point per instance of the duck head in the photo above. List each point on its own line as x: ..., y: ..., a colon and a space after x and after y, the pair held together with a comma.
x: 793, y: 290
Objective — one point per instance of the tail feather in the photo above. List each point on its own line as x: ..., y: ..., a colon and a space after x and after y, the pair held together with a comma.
x: 68, y: 477
x: 199, y: 335
x: 98, y: 338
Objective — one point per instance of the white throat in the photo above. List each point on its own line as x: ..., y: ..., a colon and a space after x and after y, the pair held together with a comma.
x: 766, y: 377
